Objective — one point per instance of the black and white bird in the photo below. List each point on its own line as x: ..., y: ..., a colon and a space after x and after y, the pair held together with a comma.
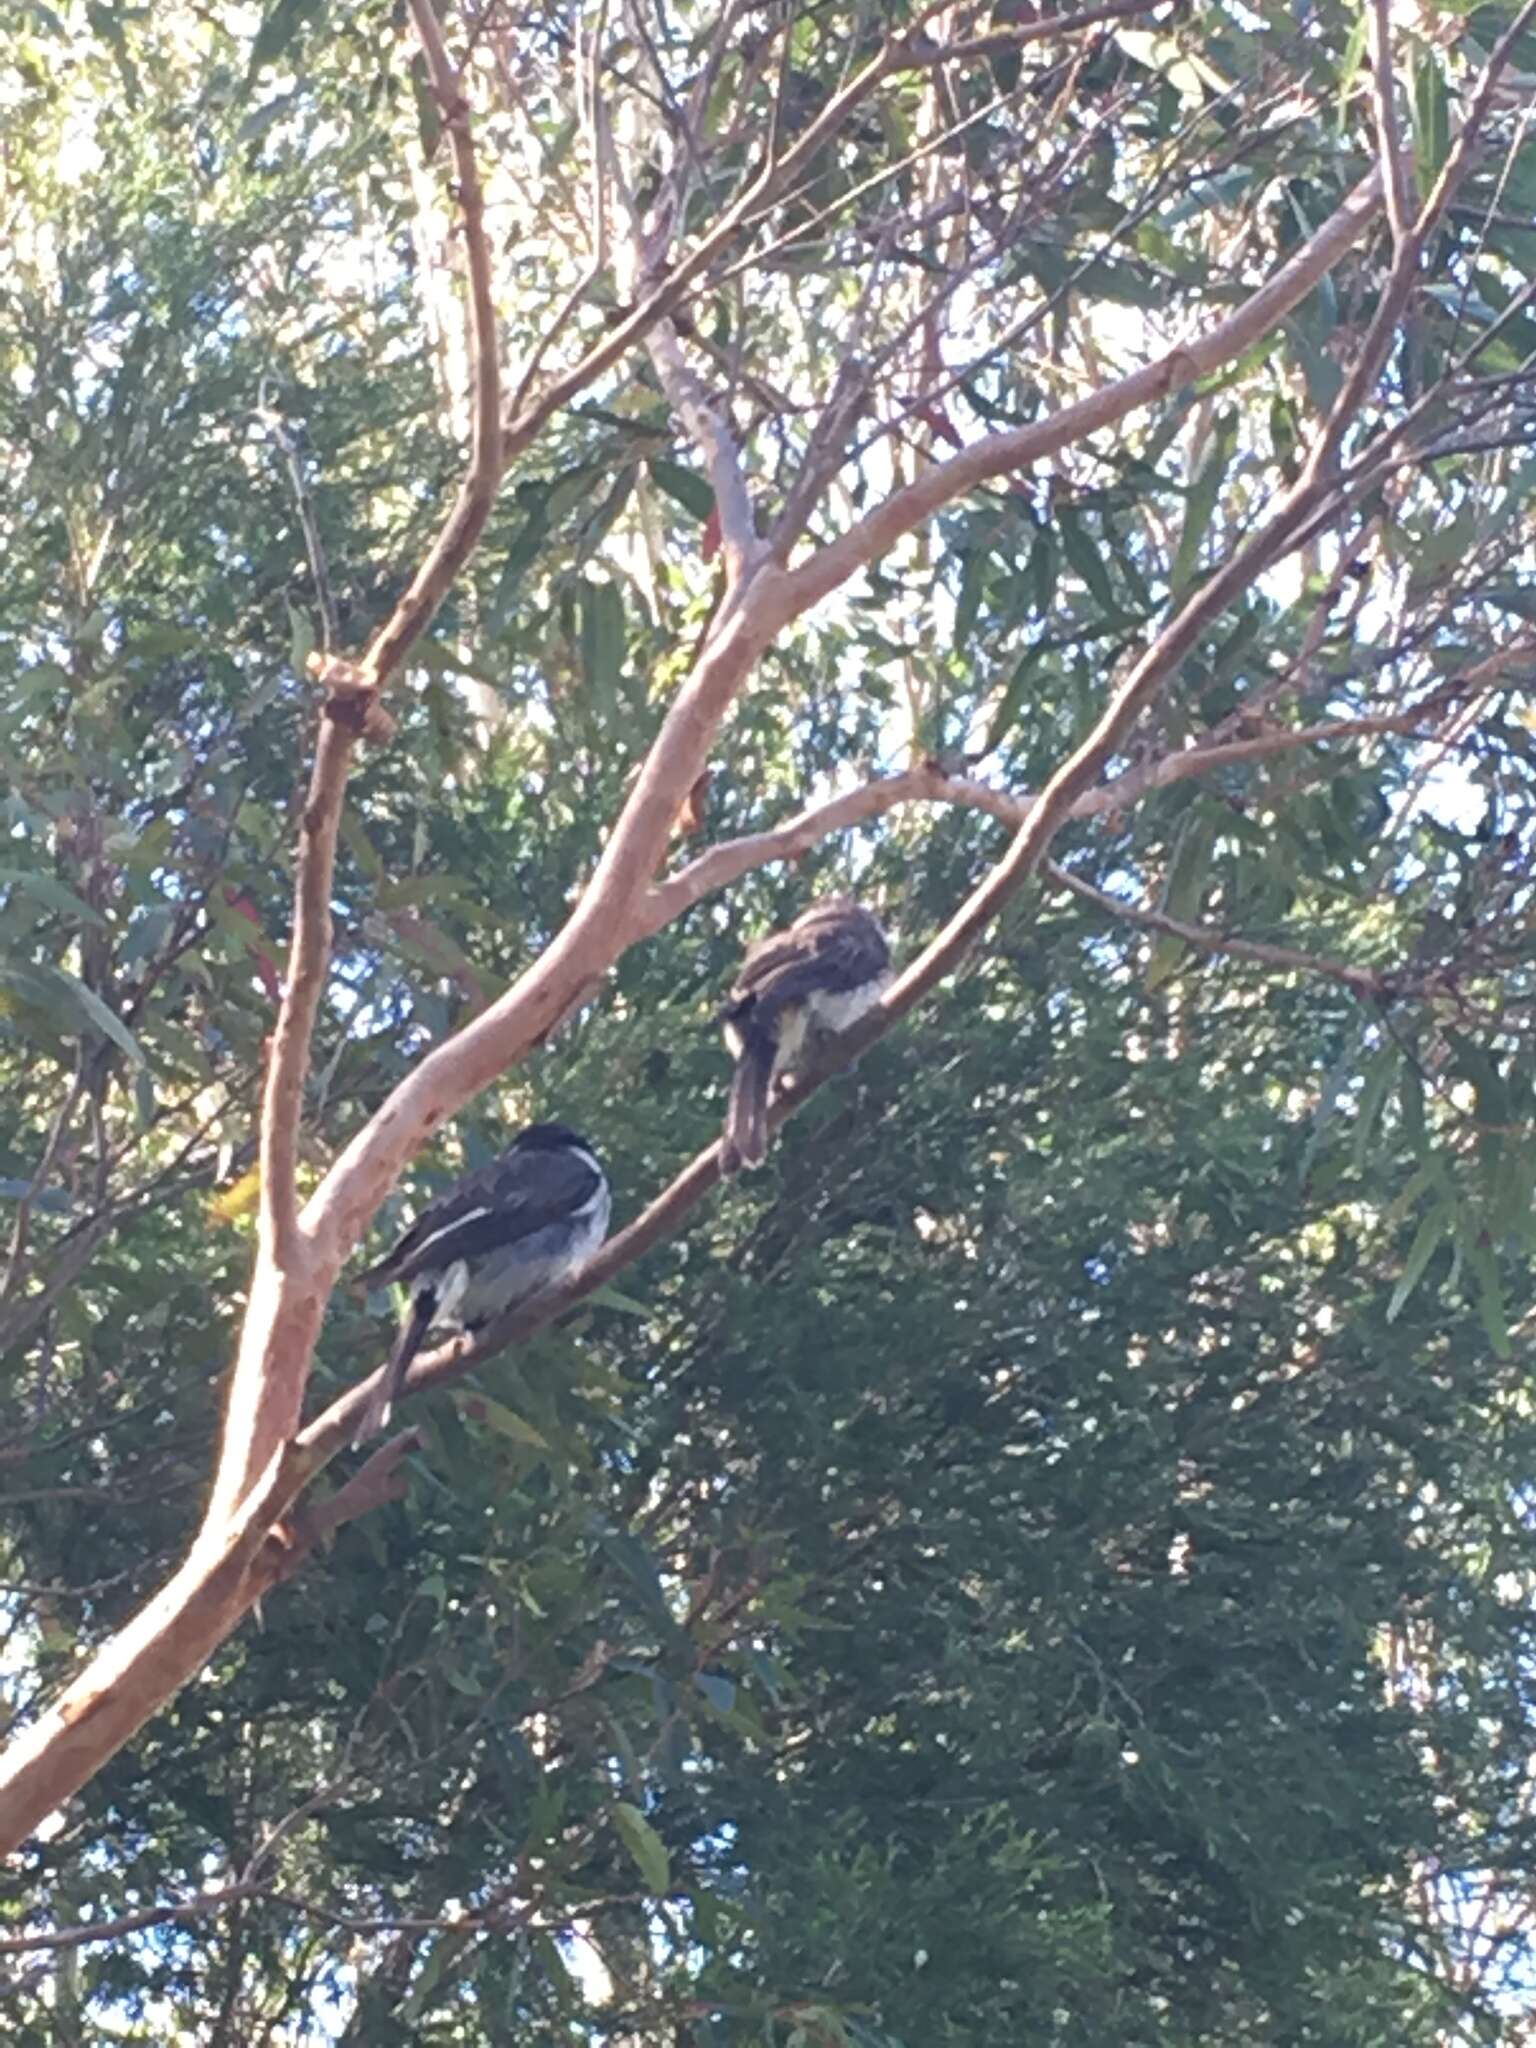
x: 497, y: 1238
x: 823, y: 973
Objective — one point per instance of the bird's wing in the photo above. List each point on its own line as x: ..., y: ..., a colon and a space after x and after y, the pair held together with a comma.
x: 468, y: 1197
x: 767, y: 958
x: 518, y: 1194
x: 835, y: 952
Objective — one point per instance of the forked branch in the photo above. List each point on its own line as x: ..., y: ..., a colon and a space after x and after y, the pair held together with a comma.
x: 928, y: 783
x: 477, y: 493
x: 997, y: 455
x: 931, y: 783
x: 1366, y: 982
x: 612, y: 913
x: 265, y: 1465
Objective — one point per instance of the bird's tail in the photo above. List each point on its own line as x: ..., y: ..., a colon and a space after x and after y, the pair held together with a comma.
x: 381, y: 1403
x: 745, y: 1138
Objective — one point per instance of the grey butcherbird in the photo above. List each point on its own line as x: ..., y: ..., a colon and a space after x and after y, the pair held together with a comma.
x: 823, y: 973
x: 497, y: 1238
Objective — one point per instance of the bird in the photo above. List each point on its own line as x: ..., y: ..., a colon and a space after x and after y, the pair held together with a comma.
x: 823, y: 972
x: 496, y: 1238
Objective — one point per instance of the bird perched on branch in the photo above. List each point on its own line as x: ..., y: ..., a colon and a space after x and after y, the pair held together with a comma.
x: 498, y: 1237
x: 823, y: 973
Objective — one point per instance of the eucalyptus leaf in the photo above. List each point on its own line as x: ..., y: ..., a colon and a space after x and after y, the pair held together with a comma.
x: 645, y: 1846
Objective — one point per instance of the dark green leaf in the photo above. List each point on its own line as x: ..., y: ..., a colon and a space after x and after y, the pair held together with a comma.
x: 1085, y: 557
x: 66, y: 998
x: 1183, y: 893
x: 1349, y: 68
x: 610, y: 1296
x: 1488, y: 1292
x: 107, y: 23
x: 44, y: 889
x: 1380, y: 1072
x: 975, y: 565
x: 1014, y: 692
x: 1432, y: 1231
x: 1431, y: 114
x: 645, y: 1846
x: 717, y: 1689
x: 602, y: 639
x: 280, y: 26
x: 508, y: 1422
x: 1200, y: 505
x: 690, y: 490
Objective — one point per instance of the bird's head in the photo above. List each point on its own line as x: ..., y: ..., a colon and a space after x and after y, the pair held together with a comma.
x: 550, y: 1138
x: 825, y: 906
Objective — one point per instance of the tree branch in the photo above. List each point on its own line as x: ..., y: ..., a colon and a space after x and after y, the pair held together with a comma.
x: 267, y: 1386
x: 1396, y: 167
x: 371, y: 1486
x: 778, y: 168
x: 721, y: 865
x: 1015, y: 35
x: 127, y: 1923
x: 477, y: 493
x: 1398, y: 290
x: 309, y: 956
x: 174, y: 1633
x: 931, y: 783
x: 707, y: 429
x: 1365, y: 981
x: 997, y: 454
x: 20, y: 1228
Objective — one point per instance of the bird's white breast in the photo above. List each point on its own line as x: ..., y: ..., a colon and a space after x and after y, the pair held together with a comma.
x: 450, y: 1293
x: 835, y: 1010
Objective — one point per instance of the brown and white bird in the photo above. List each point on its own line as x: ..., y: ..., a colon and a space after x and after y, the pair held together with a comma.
x: 497, y: 1237
x: 821, y: 974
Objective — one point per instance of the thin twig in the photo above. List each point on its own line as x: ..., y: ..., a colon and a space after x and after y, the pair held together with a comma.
x: 477, y: 493
x: 1014, y: 36
x: 73, y: 1252
x: 1394, y: 297
x: 779, y: 166
x: 288, y: 447
x: 589, y: 113
x: 1365, y: 981
x: 1471, y: 260
x: 931, y: 783
x: 215, y: 1901
x: 1000, y: 454
x: 39, y: 1180
x: 1396, y: 168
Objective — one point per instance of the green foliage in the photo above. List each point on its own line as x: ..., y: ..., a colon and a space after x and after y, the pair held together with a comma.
x: 1046, y: 1561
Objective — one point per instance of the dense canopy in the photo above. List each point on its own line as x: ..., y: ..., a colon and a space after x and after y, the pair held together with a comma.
x: 1049, y: 1559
